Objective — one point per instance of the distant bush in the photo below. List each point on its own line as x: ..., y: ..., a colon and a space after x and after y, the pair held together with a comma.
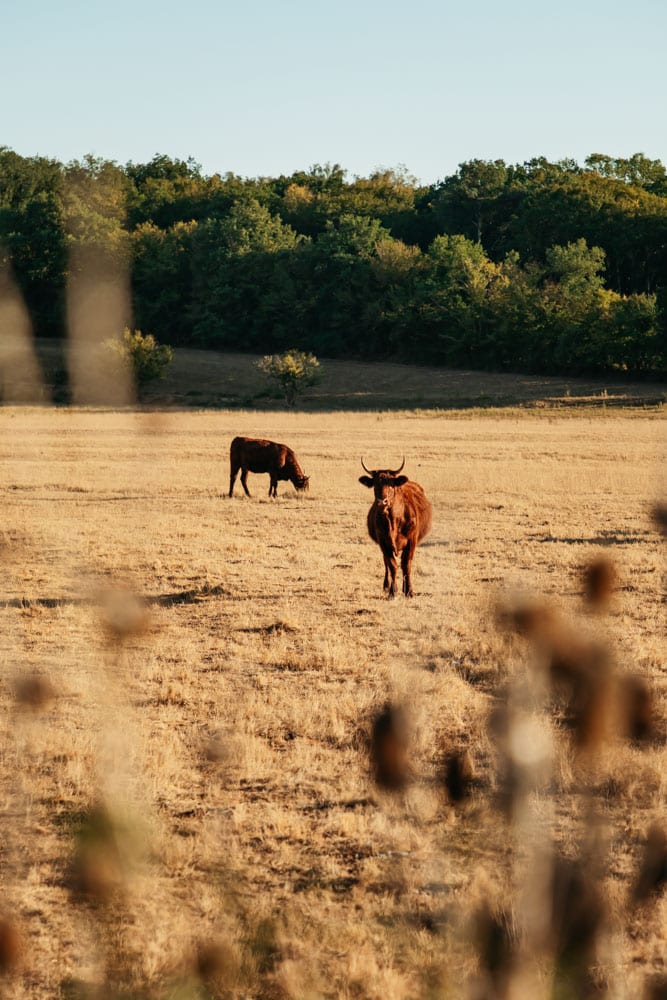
x: 147, y: 359
x: 293, y: 371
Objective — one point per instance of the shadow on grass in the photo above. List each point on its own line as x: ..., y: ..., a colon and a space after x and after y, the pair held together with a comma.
x: 194, y: 596
x: 604, y: 538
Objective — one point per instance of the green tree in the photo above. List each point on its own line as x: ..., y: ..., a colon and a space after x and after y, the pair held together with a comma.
x: 250, y: 228
x: 467, y: 199
x: 32, y: 236
x: 308, y: 200
x: 574, y: 300
x: 634, y: 341
x: 162, y: 279
x: 637, y: 169
x: 396, y: 269
x: 233, y: 261
x: 460, y: 277
x: 520, y: 322
x: 337, y: 272
x: 95, y: 208
x: 293, y: 371
x: 351, y: 237
x: 147, y: 359
x: 577, y: 267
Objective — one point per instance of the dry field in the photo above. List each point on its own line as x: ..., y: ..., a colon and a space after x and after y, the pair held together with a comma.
x: 188, y: 804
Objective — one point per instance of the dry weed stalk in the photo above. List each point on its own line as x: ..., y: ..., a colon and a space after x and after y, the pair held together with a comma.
x: 458, y: 775
x: 389, y: 746
x: 34, y: 692
x: 525, y: 751
x: 123, y: 614
x: 578, y: 917
x: 652, y: 875
x: 655, y: 988
x: 602, y: 705
x: 600, y: 579
x: 20, y: 374
x: 660, y: 517
x: 496, y: 939
x: 98, y: 297
x: 104, y: 853
x: 12, y: 946
x: 638, y: 710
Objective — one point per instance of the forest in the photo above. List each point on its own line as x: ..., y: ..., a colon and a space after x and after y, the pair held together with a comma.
x: 540, y: 267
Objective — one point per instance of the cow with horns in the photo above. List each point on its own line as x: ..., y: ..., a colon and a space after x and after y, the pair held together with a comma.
x: 399, y: 518
x: 259, y: 455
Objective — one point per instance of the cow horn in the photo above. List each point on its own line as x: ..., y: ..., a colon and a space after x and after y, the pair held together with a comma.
x: 365, y: 469
x: 396, y: 472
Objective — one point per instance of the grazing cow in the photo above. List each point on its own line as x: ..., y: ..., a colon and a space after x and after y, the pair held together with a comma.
x: 258, y: 455
x: 399, y: 518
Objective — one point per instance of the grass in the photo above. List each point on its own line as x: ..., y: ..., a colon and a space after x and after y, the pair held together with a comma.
x: 188, y: 803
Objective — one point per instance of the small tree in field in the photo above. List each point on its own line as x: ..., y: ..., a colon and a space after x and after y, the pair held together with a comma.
x: 147, y: 359
x: 293, y: 371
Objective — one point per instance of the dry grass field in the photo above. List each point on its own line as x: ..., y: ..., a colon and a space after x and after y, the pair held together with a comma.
x: 188, y: 686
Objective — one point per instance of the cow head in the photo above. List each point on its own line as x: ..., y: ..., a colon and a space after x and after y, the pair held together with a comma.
x: 301, y: 482
x: 383, y: 482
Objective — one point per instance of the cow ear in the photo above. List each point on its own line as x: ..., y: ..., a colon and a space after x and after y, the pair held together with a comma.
x: 366, y: 481
x: 399, y: 481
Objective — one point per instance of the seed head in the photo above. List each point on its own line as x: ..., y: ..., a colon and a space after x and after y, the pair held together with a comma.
x: 531, y: 618
x: 655, y: 988
x: 34, y: 692
x: 97, y: 866
x: 212, y: 960
x: 637, y: 708
x: 11, y: 946
x: 496, y: 941
x: 577, y: 917
x: 652, y: 875
x: 600, y: 578
x: 389, y: 748
x: 124, y: 614
x: 660, y: 517
x: 458, y: 774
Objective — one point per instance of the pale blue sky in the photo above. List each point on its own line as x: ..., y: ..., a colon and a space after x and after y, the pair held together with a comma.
x: 265, y: 88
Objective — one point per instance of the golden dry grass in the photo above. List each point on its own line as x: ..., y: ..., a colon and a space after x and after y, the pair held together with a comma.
x: 188, y: 807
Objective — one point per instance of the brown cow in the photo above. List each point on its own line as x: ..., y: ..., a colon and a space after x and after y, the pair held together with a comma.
x: 399, y: 518
x: 259, y: 455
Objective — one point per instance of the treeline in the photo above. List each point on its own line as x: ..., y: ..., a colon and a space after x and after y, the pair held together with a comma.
x: 540, y: 267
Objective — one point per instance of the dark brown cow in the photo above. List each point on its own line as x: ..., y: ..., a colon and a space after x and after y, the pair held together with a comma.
x: 259, y: 455
x: 399, y: 518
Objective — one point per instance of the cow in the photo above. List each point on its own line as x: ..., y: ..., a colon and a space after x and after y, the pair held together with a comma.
x: 400, y: 516
x: 259, y: 455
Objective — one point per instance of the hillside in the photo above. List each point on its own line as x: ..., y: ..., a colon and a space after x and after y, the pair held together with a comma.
x: 212, y: 379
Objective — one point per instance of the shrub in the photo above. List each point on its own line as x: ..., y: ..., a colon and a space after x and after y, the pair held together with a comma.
x: 293, y: 371
x: 148, y: 359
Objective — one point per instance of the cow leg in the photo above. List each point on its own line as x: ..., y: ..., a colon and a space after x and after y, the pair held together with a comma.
x: 273, y: 488
x: 389, y: 574
x: 244, y: 482
x: 406, y: 565
x: 232, y: 478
